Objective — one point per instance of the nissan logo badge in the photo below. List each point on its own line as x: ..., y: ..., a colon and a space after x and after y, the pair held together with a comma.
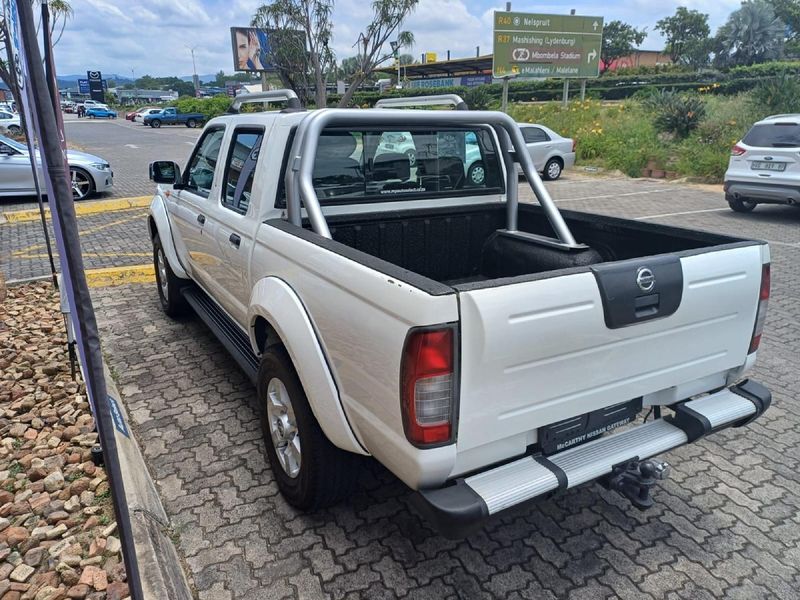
x: 645, y: 279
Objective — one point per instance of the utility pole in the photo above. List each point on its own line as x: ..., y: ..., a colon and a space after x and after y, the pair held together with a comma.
x: 396, y: 52
x: 195, y: 79
x: 135, y: 88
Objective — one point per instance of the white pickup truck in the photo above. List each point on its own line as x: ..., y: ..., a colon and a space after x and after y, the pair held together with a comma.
x: 487, y: 352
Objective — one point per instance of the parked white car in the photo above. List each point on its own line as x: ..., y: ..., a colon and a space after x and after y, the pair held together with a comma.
x: 11, y: 122
x: 764, y: 167
x: 551, y: 153
x: 139, y: 118
x: 472, y: 344
x: 88, y: 173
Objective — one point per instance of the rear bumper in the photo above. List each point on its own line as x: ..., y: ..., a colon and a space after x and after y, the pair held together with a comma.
x: 459, y: 508
x: 763, y: 192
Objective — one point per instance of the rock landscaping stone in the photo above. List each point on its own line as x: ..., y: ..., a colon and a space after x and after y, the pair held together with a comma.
x: 55, y: 506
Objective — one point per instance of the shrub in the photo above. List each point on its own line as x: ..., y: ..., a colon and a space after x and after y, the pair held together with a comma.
x: 209, y: 107
x: 778, y: 95
x: 676, y: 113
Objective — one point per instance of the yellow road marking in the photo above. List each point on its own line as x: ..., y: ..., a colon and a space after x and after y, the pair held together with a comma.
x: 96, y: 228
x: 84, y: 208
x: 113, y: 276
x: 93, y: 255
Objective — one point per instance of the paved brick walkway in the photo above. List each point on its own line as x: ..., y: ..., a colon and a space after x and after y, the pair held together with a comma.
x: 725, y: 525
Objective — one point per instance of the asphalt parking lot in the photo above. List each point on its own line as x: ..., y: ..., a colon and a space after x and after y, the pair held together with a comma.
x: 725, y: 525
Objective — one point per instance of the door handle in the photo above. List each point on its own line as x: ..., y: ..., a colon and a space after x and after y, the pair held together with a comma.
x: 235, y: 239
x: 201, y: 219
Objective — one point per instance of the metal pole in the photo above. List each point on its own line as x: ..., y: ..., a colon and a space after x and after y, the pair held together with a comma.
x: 565, y: 94
x: 504, y: 101
x: 583, y: 90
x: 44, y: 122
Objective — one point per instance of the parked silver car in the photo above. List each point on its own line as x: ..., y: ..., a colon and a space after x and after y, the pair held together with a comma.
x: 551, y: 153
x: 89, y: 173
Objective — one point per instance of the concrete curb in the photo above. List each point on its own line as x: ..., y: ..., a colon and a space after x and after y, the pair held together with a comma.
x: 84, y: 208
x: 159, y: 565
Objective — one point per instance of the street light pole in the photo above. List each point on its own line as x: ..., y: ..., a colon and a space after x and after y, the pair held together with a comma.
x: 195, y: 79
x: 135, y: 90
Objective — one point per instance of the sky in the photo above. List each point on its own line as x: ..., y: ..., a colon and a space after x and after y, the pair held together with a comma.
x: 154, y: 37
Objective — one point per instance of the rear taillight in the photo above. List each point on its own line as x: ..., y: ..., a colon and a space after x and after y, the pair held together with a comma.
x: 761, y: 315
x: 737, y: 150
x: 428, y: 384
x: 574, y: 145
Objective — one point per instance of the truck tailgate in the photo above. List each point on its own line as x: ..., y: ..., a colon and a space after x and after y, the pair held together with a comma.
x: 540, y: 351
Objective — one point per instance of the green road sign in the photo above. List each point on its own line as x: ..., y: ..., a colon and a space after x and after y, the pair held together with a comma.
x: 531, y: 45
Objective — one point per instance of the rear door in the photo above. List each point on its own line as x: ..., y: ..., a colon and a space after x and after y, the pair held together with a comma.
x: 15, y: 170
x: 771, y: 154
x: 190, y: 206
x: 540, y: 351
x: 538, y: 143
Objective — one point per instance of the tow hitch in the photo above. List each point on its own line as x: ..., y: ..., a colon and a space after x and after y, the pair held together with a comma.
x: 635, y: 479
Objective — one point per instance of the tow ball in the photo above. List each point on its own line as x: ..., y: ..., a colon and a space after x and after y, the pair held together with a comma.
x: 635, y: 479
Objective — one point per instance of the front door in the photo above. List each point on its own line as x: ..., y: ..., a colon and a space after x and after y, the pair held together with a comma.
x: 233, y: 223
x: 191, y: 204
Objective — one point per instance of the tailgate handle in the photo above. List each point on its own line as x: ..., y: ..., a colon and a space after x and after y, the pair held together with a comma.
x: 646, y: 306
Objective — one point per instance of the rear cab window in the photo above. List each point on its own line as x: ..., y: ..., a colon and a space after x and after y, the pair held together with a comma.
x: 240, y: 168
x: 375, y: 165
x: 773, y: 135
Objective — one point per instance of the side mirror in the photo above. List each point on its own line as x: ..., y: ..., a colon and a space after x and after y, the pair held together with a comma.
x: 165, y: 171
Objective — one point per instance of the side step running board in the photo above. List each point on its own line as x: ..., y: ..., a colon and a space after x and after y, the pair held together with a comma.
x: 458, y: 508
x: 225, y: 329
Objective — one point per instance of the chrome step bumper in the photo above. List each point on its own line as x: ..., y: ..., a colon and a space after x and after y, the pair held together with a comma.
x: 460, y: 507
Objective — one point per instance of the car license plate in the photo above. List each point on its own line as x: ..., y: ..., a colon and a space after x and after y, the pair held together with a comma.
x: 765, y: 165
x: 575, y: 431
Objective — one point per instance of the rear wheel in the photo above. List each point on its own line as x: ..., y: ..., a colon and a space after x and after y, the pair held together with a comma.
x: 552, y: 170
x: 740, y: 205
x: 310, y: 471
x: 169, y: 285
x: 476, y: 175
x: 82, y: 183
x: 191, y: 123
x: 155, y: 124
x: 15, y: 129
x: 411, y: 155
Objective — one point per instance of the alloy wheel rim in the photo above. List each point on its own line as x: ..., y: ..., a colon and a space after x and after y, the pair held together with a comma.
x: 553, y: 170
x: 283, y: 427
x: 478, y: 175
x: 80, y: 185
x: 162, y: 273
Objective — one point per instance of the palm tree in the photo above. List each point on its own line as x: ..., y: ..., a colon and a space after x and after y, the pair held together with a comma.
x: 753, y: 34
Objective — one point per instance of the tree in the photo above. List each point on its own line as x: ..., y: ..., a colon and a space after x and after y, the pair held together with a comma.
x: 387, y: 17
x: 752, y: 34
x: 407, y: 59
x: 60, y: 12
x: 788, y: 11
x: 686, y: 34
x: 300, y: 33
x: 619, y: 39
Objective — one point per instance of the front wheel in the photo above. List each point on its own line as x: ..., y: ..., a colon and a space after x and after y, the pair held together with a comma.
x: 155, y: 124
x: 476, y: 175
x: 739, y: 205
x: 310, y: 471
x: 191, y: 123
x: 552, y: 170
x: 14, y: 130
x: 81, y: 182
x: 169, y: 285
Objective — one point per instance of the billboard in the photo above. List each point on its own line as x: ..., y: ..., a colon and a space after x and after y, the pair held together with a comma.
x: 83, y: 85
x: 250, y: 49
x: 535, y: 45
x: 96, y: 85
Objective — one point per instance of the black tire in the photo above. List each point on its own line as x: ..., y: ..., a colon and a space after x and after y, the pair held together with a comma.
x: 476, y: 174
x: 552, y: 170
x: 739, y: 205
x: 169, y: 285
x: 15, y: 129
x: 326, y: 474
x: 155, y: 123
x: 191, y: 123
x: 82, y: 183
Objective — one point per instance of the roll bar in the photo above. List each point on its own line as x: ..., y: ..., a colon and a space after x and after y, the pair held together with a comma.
x: 269, y: 96
x: 439, y: 100
x: 299, y: 176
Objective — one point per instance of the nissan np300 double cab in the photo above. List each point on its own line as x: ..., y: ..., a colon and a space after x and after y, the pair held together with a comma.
x: 486, y: 351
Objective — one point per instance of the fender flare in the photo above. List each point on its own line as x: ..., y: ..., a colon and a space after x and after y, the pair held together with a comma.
x: 275, y: 301
x: 159, y: 219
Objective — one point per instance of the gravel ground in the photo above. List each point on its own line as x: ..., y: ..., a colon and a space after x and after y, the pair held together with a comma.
x: 57, y: 534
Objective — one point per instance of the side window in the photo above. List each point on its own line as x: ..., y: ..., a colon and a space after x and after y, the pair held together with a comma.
x: 200, y: 171
x: 240, y: 169
x: 531, y: 135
